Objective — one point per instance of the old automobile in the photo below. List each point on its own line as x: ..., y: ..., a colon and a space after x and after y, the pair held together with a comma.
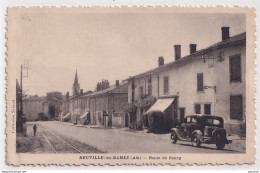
x: 199, y: 129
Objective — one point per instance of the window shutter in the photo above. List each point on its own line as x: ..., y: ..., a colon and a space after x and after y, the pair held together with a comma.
x: 236, y: 107
x: 235, y: 69
x: 200, y: 82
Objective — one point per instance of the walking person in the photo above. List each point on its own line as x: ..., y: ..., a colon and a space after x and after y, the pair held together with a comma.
x: 34, y: 129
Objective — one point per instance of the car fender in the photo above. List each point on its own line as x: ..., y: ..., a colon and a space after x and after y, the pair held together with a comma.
x: 177, y: 132
x: 218, y: 130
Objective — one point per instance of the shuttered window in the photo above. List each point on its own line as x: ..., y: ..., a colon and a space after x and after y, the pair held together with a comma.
x: 141, y: 91
x: 166, y: 84
x: 236, y: 107
x: 207, y: 109
x: 149, y: 85
x: 200, y: 82
x: 197, y: 108
x: 235, y: 68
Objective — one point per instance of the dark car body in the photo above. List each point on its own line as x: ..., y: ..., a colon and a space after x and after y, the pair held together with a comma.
x: 201, y: 129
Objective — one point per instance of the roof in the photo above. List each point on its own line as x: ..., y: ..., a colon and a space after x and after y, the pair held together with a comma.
x: 35, y: 98
x: 121, y: 89
x: 231, y: 41
x: 81, y: 95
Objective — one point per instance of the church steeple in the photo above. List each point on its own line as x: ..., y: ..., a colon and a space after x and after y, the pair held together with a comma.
x: 75, y: 87
x: 76, y: 79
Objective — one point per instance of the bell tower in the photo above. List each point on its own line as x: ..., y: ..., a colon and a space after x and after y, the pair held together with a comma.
x: 75, y: 87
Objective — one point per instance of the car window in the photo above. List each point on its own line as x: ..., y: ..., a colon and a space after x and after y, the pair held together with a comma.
x: 216, y: 122
x: 208, y: 121
x: 194, y: 120
x: 188, y: 119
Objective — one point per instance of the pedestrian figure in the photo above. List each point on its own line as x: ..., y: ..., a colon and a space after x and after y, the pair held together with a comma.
x: 34, y: 129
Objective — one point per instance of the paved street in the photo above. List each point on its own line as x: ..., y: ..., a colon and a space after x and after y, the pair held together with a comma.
x: 64, y: 137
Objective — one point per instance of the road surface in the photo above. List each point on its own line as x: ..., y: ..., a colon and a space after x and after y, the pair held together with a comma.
x: 64, y: 137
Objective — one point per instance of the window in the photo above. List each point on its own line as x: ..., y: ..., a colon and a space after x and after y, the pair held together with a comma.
x: 236, y: 107
x: 200, y: 82
x: 133, y: 91
x: 149, y: 86
x: 235, y: 68
x: 182, y: 114
x: 197, y: 108
x: 166, y: 84
x: 216, y: 122
x: 141, y: 91
x: 149, y: 90
x: 194, y: 120
x: 207, y: 109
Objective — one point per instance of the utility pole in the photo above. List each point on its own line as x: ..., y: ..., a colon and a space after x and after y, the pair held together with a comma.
x: 20, y: 115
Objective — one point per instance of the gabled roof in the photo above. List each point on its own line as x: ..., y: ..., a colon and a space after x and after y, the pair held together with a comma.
x: 121, y: 89
x: 81, y: 95
x: 231, y: 41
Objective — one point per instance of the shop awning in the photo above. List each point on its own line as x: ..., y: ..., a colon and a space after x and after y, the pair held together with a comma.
x: 84, y: 115
x: 67, y: 116
x: 161, y: 104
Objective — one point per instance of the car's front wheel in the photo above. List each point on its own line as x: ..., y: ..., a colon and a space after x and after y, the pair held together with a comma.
x: 173, y: 137
x: 195, y: 140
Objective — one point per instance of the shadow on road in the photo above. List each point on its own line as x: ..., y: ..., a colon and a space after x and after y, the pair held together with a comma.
x: 209, y: 148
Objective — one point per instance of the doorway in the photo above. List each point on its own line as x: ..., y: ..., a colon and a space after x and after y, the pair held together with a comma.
x: 126, y: 120
x: 182, y: 114
x: 52, y: 111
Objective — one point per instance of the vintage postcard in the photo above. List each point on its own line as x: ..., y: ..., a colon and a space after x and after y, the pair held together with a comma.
x: 139, y: 85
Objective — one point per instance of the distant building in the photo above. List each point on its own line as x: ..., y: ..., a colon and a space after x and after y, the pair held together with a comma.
x: 208, y: 81
x: 73, y: 107
x: 111, y: 100
x: 78, y: 105
x: 33, y: 107
x: 43, y: 108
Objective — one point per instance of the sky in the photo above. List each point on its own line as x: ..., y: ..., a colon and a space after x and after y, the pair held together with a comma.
x: 109, y: 46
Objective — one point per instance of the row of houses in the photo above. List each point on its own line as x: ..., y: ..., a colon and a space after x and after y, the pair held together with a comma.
x: 104, y: 107
x: 207, y: 81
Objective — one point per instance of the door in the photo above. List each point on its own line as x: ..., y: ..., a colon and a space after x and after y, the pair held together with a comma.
x: 182, y: 115
x: 52, y: 111
x: 126, y: 120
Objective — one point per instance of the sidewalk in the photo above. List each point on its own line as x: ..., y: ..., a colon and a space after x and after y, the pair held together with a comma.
x: 114, y: 129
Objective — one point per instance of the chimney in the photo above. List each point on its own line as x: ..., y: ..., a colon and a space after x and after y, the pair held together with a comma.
x: 117, y: 83
x: 177, y: 49
x: 225, y: 33
x: 160, y: 61
x: 193, y: 48
x: 81, y: 91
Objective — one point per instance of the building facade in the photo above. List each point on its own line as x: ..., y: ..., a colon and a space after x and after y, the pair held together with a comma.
x: 43, y: 108
x: 110, y: 100
x: 208, y: 81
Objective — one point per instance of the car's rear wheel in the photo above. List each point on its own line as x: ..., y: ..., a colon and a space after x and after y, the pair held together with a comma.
x: 195, y: 140
x: 220, y: 143
x: 173, y: 137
